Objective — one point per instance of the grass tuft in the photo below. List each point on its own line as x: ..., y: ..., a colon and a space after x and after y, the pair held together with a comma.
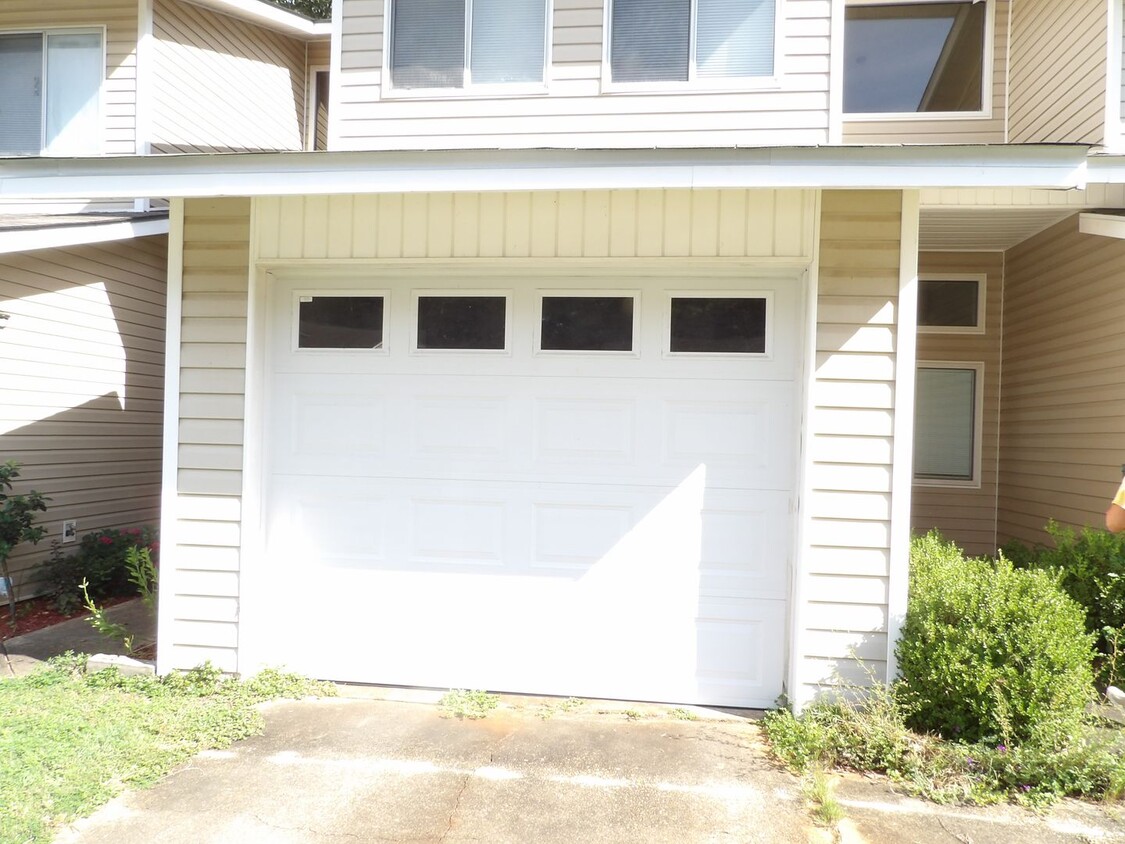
x: 461, y: 703
x: 826, y: 809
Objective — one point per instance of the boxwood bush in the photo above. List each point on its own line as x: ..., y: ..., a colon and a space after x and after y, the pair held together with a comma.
x: 990, y: 652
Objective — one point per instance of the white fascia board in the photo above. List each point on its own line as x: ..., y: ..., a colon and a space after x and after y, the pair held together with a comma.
x: 324, y: 173
x: 268, y: 15
x: 1106, y: 169
x: 26, y: 240
x: 1105, y: 225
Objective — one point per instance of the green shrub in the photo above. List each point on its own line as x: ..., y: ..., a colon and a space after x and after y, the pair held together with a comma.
x: 1091, y: 569
x: 992, y: 653
x: 101, y: 560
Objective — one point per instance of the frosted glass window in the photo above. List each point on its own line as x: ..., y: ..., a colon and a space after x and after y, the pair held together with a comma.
x: 945, y: 424
x: 50, y: 93
x: 914, y: 57
x: 454, y: 43
x: 682, y: 40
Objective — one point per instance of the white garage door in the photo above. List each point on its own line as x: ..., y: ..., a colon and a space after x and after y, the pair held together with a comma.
x: 573, y: 486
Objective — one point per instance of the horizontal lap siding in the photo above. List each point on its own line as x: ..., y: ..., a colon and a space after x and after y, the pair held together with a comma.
x: 224, y: 84
x: 575, y: 112
x: 119, y: 17
x: 1058, y: 75
x: 212, y: 386
x: 983, y: 130
x: 1062, y: 415
x: 81, y: 386
x: 847, y: 544
x: 967, y: 515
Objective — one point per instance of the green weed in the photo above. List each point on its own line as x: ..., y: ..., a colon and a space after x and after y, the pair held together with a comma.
x: 460, y: 703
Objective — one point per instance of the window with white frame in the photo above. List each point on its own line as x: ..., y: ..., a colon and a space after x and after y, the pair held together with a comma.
x: 947, y: 423
x: 919, y: 57
x: 458, y: 43
x: 951, y: 304
x: 50, y: 92
x: 688, y: 40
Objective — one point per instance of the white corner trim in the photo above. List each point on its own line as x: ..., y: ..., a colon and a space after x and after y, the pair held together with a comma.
x: 25, y: 240
x: 145, y: 77
x: 268, y: 15
x: 1105, y: 225
x: 169, y: 490
x: 902, y: 472
x: 335, y: 60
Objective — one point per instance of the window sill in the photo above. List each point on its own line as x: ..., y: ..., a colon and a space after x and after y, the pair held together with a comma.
x: 708, y: 86
x: 935, y: 483
x: 915, y: 116
x: 475, y: 92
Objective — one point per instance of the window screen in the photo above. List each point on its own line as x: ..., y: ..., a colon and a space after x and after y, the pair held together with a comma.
x: 945, y: 424
x: 948, y: 304
x: 587, y: 324
x: 462, y: 322
x: 21, y: 92
x: 718, y: 325
x: 914, y: 57
x: 340, y: 322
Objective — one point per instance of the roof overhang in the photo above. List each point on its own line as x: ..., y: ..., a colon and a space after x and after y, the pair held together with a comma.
x: 1104, y: 223
x: 268, y: 15
x: 28, y: 238
x: 288, y: 173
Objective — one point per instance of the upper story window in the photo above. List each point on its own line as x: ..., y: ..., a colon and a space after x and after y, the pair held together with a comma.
x: 50, y: 92
x: 686, y: 40
x: 906, y: 58
x: 458, y: 43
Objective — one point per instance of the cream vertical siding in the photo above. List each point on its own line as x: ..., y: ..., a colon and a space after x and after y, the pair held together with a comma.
x: 1062, y: 411
x: 844, y: 580
x: 216, y: 272
x: 989, y: 129
x: 223, y: 84
x: 575, y: 110
x: 81, y: 386
x: 967, y: 515
x: 1058, y: 75
x: 119, y: 17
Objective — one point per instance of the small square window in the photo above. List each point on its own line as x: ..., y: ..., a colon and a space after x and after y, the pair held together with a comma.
x: 718, y: 325
x: 340, y: 322
x: 587, y: 324
x: 462, y: 322
x: 946, y: 422
x: 950, y: 304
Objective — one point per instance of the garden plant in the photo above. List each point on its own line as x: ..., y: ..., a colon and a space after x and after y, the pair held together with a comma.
x: 17, y: 524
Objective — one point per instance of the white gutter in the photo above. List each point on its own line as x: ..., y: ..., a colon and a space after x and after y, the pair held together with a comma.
x: 268, y: 15
x: 1106, y: 169
x: 322, y: 173
x: 27, y: 239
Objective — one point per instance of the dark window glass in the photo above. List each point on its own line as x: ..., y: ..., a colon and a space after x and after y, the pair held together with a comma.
x: 461, y: 322
x: 914, y: 57
x: 340, y: 322
x: 587, y: 323
x: 948, y: 303
x: 718, y: 325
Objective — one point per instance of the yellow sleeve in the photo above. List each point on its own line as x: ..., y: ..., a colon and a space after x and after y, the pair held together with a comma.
x: 1119, y: 499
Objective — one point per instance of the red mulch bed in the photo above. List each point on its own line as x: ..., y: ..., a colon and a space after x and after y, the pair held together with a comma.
x: 37, y: 613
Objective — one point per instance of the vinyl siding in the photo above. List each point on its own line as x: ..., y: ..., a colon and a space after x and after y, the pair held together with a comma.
x: 1062, y: 412
x: 223, y: 84
x: 845, y: 578
x: 967, y: 515
x: 119, y: 17
x: 971, y: 130
x: 81, y: 386
x: 575, y: 111
x: 1058, y: 75
x: 205, y: 598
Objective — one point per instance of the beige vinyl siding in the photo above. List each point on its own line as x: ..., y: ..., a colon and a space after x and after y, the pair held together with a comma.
x: 119, y: 91
x: 1062, y: 412
x: 1058, y: 75
x: 989, y: 129
x: 223, y: 84
x: 216, y: 272
x: 575, y: 111
x: 845, y: 577
x: 318, y: 53
x: 967, y: 515
x: 81, y: 386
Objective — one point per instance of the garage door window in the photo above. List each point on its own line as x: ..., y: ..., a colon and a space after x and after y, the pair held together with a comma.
x: 586, y: 324
x: 464, y: 323
x: 340, y: 322
x: 718, y: 325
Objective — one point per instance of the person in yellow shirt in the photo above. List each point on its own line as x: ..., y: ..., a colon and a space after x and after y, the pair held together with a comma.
x: 1115, y: 515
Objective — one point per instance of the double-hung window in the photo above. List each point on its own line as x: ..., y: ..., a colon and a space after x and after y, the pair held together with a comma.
x: 462, y: 43
x: 50, y: 92
x: 688, y: 40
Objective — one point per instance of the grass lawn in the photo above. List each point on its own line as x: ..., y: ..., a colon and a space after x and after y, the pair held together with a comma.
x: 70, y: 741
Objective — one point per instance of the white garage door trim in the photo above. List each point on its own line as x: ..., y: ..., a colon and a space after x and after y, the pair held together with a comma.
x: 488, y: 278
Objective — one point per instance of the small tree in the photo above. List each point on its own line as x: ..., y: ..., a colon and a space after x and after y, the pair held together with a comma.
x: 17, y: 524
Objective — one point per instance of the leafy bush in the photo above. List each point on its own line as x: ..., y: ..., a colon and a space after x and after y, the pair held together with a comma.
x: 101, y: 560
x: 17, y: 524
x: 1091, y: 569
x: 992, y: 653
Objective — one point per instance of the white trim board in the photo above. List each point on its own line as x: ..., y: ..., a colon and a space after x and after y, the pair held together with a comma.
x: 25, y: 240
x: 1106, y: 225
x: 325, y: 173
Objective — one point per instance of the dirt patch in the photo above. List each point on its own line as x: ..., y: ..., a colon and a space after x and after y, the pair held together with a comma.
x: 37, y: 613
